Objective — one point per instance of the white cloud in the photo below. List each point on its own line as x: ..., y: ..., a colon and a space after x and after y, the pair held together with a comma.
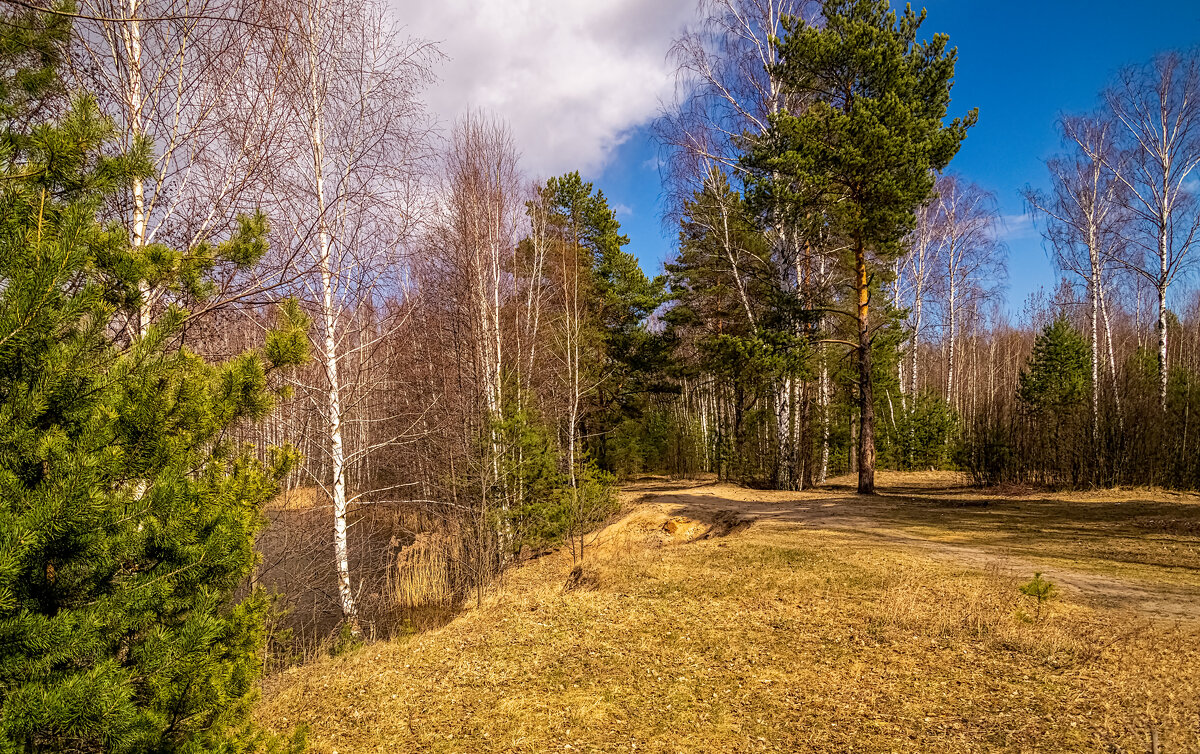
x: 1018, y: 228
x: 571, y: 77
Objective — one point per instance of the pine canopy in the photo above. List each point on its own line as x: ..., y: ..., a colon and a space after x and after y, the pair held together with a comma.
x: 127, y: 518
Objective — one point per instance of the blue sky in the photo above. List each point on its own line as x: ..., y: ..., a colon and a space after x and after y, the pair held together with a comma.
x: 1021, y: 63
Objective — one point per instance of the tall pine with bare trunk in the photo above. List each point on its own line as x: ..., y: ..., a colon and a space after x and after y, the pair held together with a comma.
x: 858, y: 159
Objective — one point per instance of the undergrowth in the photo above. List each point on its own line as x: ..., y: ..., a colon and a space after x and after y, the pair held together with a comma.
x: 777, y: 638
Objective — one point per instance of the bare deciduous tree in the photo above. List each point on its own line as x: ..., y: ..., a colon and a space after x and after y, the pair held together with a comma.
x: 1085, y: 218
x: 968, y: 252
x: 349, y: 199
x: 479, y: 233
x: 1157, y: 107
x: 192, y: 82
x: 918, y: 265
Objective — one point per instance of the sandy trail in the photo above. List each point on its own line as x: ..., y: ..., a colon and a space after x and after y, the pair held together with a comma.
x: 932, y: 514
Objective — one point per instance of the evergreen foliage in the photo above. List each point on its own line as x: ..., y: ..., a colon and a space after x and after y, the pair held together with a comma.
x: 529, y: 464
x: 127, y: 518
x: 717, y: 232
x: 857, y: 158
x: 740, y: 327
x: 1041, y: 590
x: 544, y: 507
x: 1053, y: 391
x: 626, y: 359
x: 32, y: 47
x: 852, y: 161
x: 1058, y: 377
x: 922, y: 434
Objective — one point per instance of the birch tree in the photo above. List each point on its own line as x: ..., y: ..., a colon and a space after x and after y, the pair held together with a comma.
x: 483, y: 213
x: 190, y: 82
x: 1157, y: 107
x: 481, y: 221
x: 1084, y: 218
x: 349, y: 200
x: 970, y: 257
x: 918, y: 264
x: 726, y: 85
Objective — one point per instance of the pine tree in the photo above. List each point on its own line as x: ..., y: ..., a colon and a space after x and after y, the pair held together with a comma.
x: 623, y: 358
x: 1058, y: 376
x: 732, y: 322
x: 855, y: 159
x: 127, y: 518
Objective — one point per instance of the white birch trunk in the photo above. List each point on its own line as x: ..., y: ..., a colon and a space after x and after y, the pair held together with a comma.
x: 1162, y: 347
x: 131, y: 38
x: 823, y: 471
x: 918, y: 304
x: 329, y: 351
x: 953, y: 325
x: 1164, y: 254
x: 1094, y: 259
x: 1112, y: 361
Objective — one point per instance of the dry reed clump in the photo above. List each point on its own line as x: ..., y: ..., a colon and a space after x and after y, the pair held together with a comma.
x: 431, y: 568
x: 421, y: 574
x: 298, y: 499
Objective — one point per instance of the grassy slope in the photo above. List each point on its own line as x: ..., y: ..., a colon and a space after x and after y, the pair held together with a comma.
x: 780, y: 637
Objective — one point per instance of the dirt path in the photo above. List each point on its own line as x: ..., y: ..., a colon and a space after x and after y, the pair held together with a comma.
x: 1019, y: 534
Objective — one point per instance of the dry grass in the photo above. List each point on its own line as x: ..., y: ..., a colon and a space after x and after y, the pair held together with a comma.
x: 1138, y: 534
x: 779, y: 637
x: 299, y: 499
x: 421, y: 574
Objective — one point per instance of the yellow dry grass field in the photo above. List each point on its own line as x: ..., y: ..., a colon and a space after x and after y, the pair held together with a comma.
x: 711, y: 618
x: 298, y: 499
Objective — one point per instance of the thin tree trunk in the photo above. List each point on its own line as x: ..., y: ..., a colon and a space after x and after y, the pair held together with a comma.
x: 329, y: 352
x: 950, y: 363
x: 823, y: 473
x: 866, y: 402
x: 898, y: 272
x: 1112, y: 361
x: 784, y: 479
x: 918, y: 305
x: 131, y: 37
x: 731, y: 253
x: 1162, y: 345
x: 1137, y: 315
x: 337, y: 454
x: 852, y: 450
x: 1096, y: 283
x: 825, y: 388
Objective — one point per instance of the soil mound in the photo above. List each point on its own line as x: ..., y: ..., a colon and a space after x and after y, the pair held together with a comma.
x: 653, y: 525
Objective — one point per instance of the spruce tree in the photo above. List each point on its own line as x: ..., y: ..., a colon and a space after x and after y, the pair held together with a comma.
x: 127, y: 516
x: 854, y: 157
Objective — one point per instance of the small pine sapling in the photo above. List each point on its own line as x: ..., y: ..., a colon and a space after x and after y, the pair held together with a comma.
x: 1041, y: 590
